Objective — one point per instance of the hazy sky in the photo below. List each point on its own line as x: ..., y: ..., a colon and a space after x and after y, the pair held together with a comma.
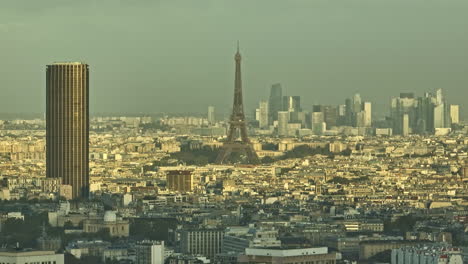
x: 177, y: 55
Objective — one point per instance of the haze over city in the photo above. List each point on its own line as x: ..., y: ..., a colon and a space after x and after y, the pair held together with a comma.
x: 175, y: 56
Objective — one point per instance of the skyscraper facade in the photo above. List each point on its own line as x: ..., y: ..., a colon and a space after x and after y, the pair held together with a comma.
x: 348, y: 119
x: 263, y: 115
x: 454, y: 114
x: 405, y: 125
x: 330, y: 113
x: 367, y: 109
x: 357, y: 103
x: 283, y: 120
x: 424, y: 114
x: 67, y: 125
x: 439, y: 120
x: 318, y: 123
x: 405, y: 104
x: 211, y: 115
x: 292, y: 103
x: 275, y: 103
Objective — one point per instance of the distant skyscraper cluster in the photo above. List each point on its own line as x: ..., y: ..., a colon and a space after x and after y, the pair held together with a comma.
x: 357, y: 113
x: 423, y: 115
x: 430, y: 114
x: 287, y: 118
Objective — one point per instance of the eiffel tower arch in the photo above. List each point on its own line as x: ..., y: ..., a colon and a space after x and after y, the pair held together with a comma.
x: 237, y: 125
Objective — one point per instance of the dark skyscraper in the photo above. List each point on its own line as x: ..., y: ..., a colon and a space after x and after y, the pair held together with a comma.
x: 237, y: 125
x: 292, y: 103
x: 275, y: 103
x: 331, y: 115
x: 67, y: 121
x: 348, y: 112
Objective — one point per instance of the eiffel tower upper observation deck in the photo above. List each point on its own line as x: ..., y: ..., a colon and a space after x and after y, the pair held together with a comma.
x: 237, y: 125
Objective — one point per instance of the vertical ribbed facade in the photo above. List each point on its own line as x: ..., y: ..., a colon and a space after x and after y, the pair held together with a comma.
x: 67, y: 121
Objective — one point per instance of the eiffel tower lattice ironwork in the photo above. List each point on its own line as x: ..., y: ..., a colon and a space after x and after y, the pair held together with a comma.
x: 237, y: 125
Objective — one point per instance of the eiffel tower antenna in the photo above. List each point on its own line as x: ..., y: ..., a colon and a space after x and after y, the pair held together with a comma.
x: 237, y: 124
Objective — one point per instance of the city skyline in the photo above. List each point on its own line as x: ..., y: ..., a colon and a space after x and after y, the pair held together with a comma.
x: 426, y: 55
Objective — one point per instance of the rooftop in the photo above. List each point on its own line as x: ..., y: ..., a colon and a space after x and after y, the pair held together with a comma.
x: 24, y: 252
x: 69, y: 63
x: 276, y: 252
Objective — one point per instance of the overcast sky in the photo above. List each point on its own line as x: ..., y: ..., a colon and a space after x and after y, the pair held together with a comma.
x: 177, y: 55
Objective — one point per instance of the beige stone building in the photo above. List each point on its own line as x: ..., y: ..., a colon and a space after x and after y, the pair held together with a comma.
x: 117, y: 227
x: 288, y: 256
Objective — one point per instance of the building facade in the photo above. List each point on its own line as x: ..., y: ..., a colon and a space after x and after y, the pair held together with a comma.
x: 179, y: 181
x: 427, y: 254
x: 288, y: 256
x: 275, y: 103
x: 283, y: 120
x: 205, y: 242
x: 211, y: 115
x: 29, y: 256
x: 263, y: 115
x: 149, y: 252
x: 67, y: 125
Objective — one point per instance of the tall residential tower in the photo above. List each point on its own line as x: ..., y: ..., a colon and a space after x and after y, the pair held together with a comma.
x: 67, y: 125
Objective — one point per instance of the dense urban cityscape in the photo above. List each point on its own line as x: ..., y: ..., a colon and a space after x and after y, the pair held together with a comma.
x: 138, y: 132
x: 325, y: 186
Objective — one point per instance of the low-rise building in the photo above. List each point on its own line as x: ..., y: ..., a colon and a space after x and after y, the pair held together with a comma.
x: 288, y: 256
x: 19, y: 256
x: 117, y: 227
x: 428, y: 254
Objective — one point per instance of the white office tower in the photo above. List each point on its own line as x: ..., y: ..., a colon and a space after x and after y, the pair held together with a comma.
x: 283, y: 120
x: 439, y: 97
x: 211, y: 115
x: 263, y: 115
x: 257, y: 114
x: 367, y: 109
x: 149, y: 252
x: 455, y: 114
x: 342, y: 110
x: 357, y: 103
x: 318, y: 123
x: 31, y: 256
x: 427, y: 254
x: 405, y: 126
x: 439, y: 115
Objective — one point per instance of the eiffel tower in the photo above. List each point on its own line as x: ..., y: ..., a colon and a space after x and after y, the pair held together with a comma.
x: 237, y: 125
